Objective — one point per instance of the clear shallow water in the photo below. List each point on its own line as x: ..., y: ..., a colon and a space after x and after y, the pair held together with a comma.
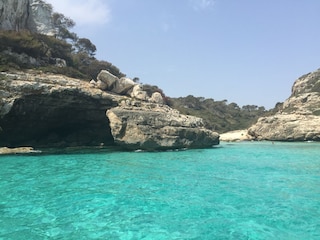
x: 235, y: 191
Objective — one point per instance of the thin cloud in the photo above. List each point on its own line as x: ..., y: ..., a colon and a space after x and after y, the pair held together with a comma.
x: 200, y: 5
x: 83, y: 12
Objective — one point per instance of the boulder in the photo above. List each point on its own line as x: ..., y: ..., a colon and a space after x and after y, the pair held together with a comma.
x: 138, y: 93
x: 157, y: 127
x: 156, y: 98
x: 123, y: 86
x: 60, y: 62
x: 106, y: 79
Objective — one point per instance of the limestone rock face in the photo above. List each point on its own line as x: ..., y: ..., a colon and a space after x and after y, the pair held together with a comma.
x: 147, y: 126
x: 42, y: 110
x: 287, y: 127
x: 14, y: 14
x: 33, y: 15
x: 40, y: 18
x: 299, y: 117
x: 49, y: 110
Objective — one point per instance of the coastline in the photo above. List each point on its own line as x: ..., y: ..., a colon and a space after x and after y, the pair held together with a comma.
x: 236, y: 136
x: 18, y: 150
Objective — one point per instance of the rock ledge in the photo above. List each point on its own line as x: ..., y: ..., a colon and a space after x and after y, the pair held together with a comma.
x: 150, y: 126
x: 48, y: 110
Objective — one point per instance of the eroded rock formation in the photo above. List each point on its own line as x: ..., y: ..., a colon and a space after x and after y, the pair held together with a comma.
x: 47, y: 110
x: 299, y: 117
x: 149, y: 126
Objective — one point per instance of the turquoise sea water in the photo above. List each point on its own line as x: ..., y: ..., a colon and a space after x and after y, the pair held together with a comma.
x: 233, y: 191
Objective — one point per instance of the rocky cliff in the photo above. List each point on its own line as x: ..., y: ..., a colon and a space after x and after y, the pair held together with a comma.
x: 142, y: 125
x: 33, y: 15
x: 299, y: 117
x: 47, y: 110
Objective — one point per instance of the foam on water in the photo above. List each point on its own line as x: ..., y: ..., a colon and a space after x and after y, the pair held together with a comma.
x: 234, y: 191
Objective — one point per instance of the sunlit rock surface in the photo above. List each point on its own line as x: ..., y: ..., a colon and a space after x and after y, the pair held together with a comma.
x: 48, y: 110
x: 299, y: 117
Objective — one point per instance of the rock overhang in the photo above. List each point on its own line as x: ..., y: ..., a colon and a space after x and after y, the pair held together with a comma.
x: 47, y: 110
x: 57, y: 120
x: 42, y: 110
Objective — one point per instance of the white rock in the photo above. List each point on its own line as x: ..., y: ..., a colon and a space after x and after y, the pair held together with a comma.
x: 108, y: 78
x: 138, y: 93
x: 156, y: 98
x: 123, y: 86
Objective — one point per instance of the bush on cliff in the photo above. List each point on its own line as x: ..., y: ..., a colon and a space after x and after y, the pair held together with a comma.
x: 42, y: 50
x: 34, y: 45
x: 218, y: 115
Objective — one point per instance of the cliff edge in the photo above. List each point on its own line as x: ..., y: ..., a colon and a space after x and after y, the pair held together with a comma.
x: 50, y: 110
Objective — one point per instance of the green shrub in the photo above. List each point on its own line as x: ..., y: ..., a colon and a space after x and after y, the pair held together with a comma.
x: 218, y: 115
x: 47, y: 48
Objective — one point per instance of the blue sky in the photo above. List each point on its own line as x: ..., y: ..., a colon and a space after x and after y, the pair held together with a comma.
x: 244, y: 51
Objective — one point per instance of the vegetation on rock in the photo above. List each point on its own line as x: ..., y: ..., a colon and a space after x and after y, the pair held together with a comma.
x: 219, y: 115
x: 24, y: 50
